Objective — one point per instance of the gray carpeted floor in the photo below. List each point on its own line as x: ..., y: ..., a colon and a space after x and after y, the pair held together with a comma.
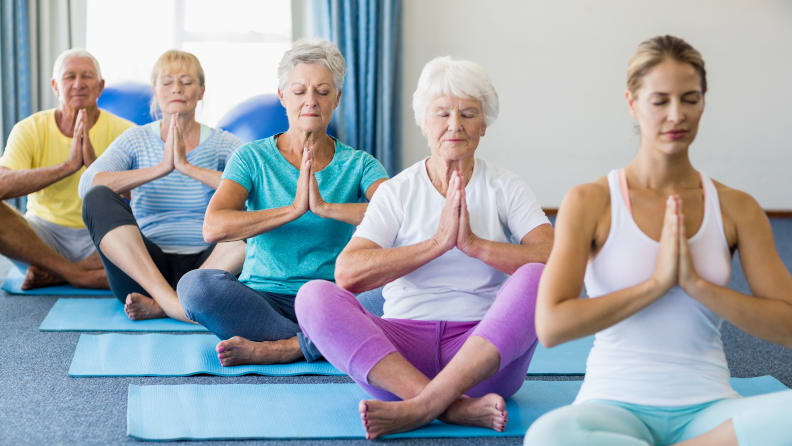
x: 40, y: 404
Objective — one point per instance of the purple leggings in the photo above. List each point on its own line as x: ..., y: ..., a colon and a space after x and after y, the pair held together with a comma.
x: 355, y: 340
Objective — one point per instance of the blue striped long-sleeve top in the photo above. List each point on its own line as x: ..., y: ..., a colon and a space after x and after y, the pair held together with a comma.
x: 169, y: 210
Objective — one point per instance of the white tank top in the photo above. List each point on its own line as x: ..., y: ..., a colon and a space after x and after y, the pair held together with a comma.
x: 670, y: 353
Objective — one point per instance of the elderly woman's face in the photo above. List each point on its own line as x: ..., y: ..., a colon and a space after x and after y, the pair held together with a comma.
x: 78, y: 85
x: 310, y: 97
x: 454, y: 126
x: 178, y: 91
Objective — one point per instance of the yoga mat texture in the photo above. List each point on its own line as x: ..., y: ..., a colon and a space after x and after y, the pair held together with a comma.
x: 565, y: 359
x: 283, y: 411
x: 171, y: 355
x: 104, y: 314
x: 177, y: 355
x: 13, y: 283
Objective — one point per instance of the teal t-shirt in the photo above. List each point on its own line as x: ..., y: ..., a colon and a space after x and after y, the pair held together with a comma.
x: 283, y: 259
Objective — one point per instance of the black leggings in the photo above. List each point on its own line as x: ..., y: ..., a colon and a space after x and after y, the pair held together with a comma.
x: 104, y: 210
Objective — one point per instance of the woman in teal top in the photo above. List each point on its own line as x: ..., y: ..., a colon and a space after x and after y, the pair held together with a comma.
x: 296, y: 198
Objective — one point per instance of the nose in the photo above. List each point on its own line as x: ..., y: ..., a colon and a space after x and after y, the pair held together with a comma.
x: 676, y: 113
x: 454, y: 121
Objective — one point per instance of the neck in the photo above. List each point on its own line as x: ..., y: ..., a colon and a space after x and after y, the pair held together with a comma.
x: 295, y: 140
x: 652, y: 169
x: 66, y: 116
x: 440, y: 170
x: 186, y: 120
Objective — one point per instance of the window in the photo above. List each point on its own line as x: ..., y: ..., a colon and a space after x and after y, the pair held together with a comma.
x: 239, y: 43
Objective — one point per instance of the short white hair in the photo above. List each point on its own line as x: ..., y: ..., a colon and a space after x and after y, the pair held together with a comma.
x: 312, y: 51
x: 57, y: 67
x: 444, y: 76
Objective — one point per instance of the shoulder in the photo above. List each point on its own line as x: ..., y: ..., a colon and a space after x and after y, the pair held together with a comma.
x: 498, y: 177
x: 588, y: 200
x: 407, y: 177
x: 115, y: 122
x: 37, y: 122
x: 737, y: 207
x: 226, y: 140
x: 347, y: 154
x: 257, y: 148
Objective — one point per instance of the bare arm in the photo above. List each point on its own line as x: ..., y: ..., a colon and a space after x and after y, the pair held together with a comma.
x: 507, y: 257
x: 17, y: 183
x: 364, y: 265
x: 561, y: 315
x: 226, y: 219
x: 768, y: 313
x: 351, y: 213
x: 124, y: 181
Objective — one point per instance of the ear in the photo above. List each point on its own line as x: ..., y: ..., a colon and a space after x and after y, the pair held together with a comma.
x: 280, y: 96
x: 631, y: 103
x: 101, y: 88
x: 338, y: 98
x: 483, y: 130
x: 203, y: 90
x: 55, y: 87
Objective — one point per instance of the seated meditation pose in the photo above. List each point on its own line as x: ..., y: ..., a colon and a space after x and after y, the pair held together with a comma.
x: 171, y: 167
x: 460, y: 244
x: 296, y: 197
x: 653, y: 244
x: 44, y: 158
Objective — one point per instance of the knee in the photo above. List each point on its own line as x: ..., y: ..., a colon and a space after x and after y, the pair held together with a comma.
x: 314, y: 301
x: 199, y: 290
x: 530, y: 273
x: 552, y: 429
x: 96, y: 198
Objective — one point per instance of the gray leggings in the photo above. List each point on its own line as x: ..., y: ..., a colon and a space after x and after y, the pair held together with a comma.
x: 228, y: 308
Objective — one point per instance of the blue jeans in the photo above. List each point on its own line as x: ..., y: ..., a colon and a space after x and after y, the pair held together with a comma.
x: 228, y: 308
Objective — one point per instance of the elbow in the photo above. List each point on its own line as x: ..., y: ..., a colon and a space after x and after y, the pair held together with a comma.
x: 546, y: 331
x: 212, y: 233
x: 345, y: 277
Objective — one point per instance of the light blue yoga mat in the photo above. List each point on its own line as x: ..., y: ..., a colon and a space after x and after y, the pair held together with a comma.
x: 13, y: 283
x: 104, y: 314
x: 268, y: 411
x: 174, y: 355
x: 171, y: 355
x: 565, y: 359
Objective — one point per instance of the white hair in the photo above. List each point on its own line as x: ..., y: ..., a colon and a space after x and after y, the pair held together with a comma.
x: 444, y: 76
x: 312, y: 51
x: 57, y: 67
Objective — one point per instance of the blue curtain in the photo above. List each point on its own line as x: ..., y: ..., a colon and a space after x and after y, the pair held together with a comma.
x: 14, y: 68
x: 367, y: 33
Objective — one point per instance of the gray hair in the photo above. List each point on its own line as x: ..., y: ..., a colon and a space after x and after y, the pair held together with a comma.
x: 444, y: 76
x: 57, y: 67
x: 313, y: 51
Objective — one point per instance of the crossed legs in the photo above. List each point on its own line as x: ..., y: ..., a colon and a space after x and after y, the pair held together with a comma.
x: 479, y: 363
x: 20, y: 242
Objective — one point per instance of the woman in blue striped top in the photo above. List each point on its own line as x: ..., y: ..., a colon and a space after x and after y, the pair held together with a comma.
x: 172, y: 168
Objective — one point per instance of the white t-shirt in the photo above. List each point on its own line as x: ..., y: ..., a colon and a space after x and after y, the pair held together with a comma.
x: 406, y: 209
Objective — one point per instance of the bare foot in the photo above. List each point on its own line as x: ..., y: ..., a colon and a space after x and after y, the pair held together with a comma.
x: 389, y: 417
x: 238, y: 350
x: 487, y: 411
x: 36, y: 277
x: 90, y: 278
x: 139, y: 307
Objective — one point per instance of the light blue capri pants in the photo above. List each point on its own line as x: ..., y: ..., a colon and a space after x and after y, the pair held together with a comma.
x: 762, y: 420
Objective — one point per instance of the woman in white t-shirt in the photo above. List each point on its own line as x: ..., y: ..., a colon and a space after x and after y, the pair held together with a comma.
x: 444, y: 235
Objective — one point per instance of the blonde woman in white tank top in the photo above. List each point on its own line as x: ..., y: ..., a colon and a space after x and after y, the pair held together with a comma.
x: 653, y: 242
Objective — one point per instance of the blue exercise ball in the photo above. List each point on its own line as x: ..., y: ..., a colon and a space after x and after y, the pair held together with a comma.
x: 129, y: 100
x: 257, y: 118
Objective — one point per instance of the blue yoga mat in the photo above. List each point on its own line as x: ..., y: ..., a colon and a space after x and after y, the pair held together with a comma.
x: 104, y: 314
x: 565, y: 359
x: 171, y: 355
x: 13, y: 283
x: 246, y: 411
x: 174, y: 355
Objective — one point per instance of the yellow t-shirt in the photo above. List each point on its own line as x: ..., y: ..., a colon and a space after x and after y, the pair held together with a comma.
x: 37, y: 142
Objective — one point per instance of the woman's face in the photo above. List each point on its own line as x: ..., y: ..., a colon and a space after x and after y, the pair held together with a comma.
x: 668, y: 106
x: 453, y: 127
x: 178, y: 91
x: 310, y: 97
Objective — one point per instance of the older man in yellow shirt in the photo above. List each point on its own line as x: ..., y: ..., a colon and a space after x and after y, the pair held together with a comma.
x: 44, y: 158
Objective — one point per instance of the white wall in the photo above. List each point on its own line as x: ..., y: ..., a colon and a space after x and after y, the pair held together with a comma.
x: 559, y: 68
